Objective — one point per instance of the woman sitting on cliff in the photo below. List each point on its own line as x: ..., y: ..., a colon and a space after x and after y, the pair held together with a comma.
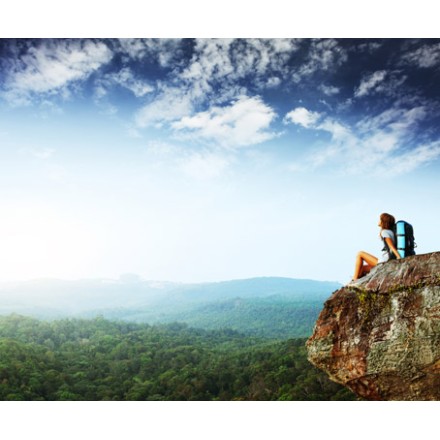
x: 365, y: 262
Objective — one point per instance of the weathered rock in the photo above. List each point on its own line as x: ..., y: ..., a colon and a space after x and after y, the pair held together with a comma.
x: 381, y: 336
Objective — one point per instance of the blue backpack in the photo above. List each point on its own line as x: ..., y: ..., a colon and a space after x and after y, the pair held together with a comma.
x: 405, y: 238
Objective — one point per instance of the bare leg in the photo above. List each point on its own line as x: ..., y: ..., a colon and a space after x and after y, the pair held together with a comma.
x: 364, y: 263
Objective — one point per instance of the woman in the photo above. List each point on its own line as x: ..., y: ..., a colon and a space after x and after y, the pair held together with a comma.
x: 365, y: 262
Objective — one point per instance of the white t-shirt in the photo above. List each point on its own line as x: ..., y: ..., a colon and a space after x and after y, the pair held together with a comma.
x: 386, y: 233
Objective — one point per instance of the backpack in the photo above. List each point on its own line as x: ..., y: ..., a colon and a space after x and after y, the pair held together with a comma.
x: 404, y: 238
x: 405, y: 243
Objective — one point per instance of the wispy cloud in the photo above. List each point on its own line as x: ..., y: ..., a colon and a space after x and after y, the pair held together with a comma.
x: 210, y: 62
x: 425, y: 56
x: 212, y: 78
x: 396, y: 120
x: 167, y: 51
x: 369, y: 83
x: 329, y: 90
x: 50, y: 66
x: 381, y: 145
x: 385, y: 82
x: 125, y: 78
x: 170, y: 104
x: 323, y: 55
x: 413, y: 158
x: 222, y: 61
x: 226, y: 93
x: 217, y: 73
x: 369, y: 47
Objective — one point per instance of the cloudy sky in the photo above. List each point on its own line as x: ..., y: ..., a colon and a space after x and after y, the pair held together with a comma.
x: 203, y: 160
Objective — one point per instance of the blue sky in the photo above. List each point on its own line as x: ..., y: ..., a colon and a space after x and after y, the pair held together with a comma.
x: 211, y: 159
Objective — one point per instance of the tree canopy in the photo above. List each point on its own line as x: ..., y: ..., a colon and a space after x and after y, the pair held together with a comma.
x: 98, y: 359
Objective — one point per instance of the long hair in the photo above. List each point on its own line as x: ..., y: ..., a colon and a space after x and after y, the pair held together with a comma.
x: 387, y: 221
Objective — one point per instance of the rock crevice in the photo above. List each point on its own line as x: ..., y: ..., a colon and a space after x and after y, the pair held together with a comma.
x: 380, y: 336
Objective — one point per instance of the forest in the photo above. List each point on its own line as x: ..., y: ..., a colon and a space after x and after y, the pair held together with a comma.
x: 273, y: 317
x: 99, y: 359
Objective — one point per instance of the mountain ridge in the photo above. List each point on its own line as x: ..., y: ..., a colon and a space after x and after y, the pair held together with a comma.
x: 254, y: 305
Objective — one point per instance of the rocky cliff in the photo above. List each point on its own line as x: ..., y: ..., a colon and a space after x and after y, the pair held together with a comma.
x: 380, y: 336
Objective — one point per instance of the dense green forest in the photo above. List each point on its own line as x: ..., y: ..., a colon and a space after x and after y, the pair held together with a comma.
x: 275, y: 317
x: 97, y: 359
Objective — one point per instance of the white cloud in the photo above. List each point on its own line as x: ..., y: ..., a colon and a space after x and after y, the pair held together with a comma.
x: 329, y: 90
x: 245, y: 122
x: 382, y: 145
x: 273, y: 81
x: 385, y: 82
x: 303, y: 117
x: 370, y: 83
x: 339, y: 132
x: 323, y: 55
x: 413, y: 158
x: 314, y: 120
x: 262, y: 56
x: 213, y: 74
x: 394, y: 119
x: 164, y: 50
x: 211, y: 60
x: 127, y: 79
x: 217, y: 66
x: 134, y: 48
x: 51, y: 66
x: 425, y: 56
x: 237, y: 58
x: 369, y: 47
x: 124, y: 78
x: 170, y: 105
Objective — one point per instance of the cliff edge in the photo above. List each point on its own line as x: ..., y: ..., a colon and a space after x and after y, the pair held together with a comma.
x: 380, y: 336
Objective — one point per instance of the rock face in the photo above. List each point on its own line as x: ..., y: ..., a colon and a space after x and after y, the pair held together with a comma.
x: 380, y: 337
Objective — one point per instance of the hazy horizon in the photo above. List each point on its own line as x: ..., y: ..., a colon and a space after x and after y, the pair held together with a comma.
x: 204, y: 160
x: 128, y: 278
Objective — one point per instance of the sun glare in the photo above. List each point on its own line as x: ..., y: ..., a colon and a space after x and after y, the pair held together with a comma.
x: 38, y: 242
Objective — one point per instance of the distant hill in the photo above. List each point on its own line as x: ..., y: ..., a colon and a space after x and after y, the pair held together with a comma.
x: 266, y: 306
x: 262, y: 287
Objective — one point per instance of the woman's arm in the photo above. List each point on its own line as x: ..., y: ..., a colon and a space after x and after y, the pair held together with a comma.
x: 392, y: 247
